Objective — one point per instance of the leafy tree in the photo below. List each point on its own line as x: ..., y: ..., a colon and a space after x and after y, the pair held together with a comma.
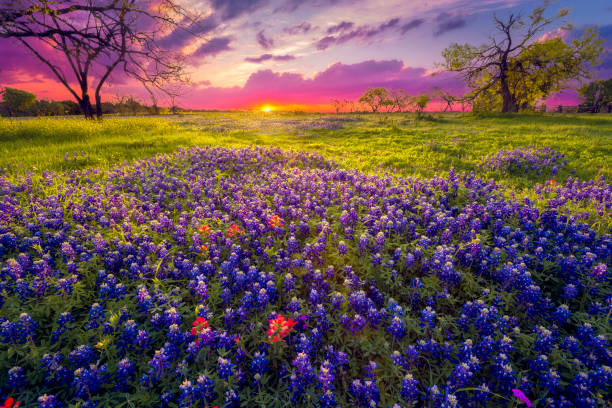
x: 133, y: 105
x: 420, y: 102
x: 72, y: 108
x: 597, y: 94
x: 375, y: 98
x: 520, y: 66
x: 47, y: 108
x: 97, y: 37
x: 15, y: 102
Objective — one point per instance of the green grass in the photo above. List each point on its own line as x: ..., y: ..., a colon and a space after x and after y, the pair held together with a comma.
x: 372, y: 143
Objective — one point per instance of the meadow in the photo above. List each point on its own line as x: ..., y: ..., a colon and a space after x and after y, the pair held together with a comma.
x: 318, y: 260
x: 396, y: 143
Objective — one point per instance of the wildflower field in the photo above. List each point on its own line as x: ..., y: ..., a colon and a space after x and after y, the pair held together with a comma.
x: 276, y: 260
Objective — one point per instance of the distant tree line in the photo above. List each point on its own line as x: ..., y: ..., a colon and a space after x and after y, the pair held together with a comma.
x: 384, y: 100
x: 16, y: 102
x: 596, y: 97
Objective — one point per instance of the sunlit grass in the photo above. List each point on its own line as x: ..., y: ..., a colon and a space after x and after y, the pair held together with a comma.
x: 375, y: 143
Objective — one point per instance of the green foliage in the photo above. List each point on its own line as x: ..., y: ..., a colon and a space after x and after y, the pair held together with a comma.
x: 547, y: 66
x: 420, y: 102
x: 514, y: 71
x: 15, y: 102
x: 597, y: 94
x: 375, y: 98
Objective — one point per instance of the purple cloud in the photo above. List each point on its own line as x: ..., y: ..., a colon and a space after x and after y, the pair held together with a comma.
x: 213, y: 47
x: 342, y: 26
x: 325, y: 42
x: 229, y: 9
x: 289, y: 6
x: 412, y: 24
x: 268, y: 57
x: 361, y: 32
x: 301, y: 28
x: 265, y: 42
x: 182, y: 36
x: 447, y: 22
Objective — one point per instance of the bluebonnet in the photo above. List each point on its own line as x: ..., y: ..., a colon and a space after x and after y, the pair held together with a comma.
x: 62, y: 325
x: 224, y: 368
x: 88, y: 381
x: 125, y: 372
x: 49, y: 401
x: 302, y: 376
x: 409, y: 390
x: 16, y: 378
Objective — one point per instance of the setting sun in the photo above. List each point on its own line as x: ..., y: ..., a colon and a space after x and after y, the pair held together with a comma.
x: 267, y: 108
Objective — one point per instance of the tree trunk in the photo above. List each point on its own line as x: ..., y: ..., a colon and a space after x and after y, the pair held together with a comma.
x: 508, y: 102
x: 98, y: 106
x: 86, y: 108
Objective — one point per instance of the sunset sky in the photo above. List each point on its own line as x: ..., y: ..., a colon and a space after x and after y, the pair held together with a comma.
x: 297, y: 54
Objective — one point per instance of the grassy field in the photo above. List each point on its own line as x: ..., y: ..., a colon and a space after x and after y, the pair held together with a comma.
x: 271, y: 278
x: 372, y: 143
x: 397, y: 144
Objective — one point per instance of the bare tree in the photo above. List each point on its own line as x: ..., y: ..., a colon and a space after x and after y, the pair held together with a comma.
x: 398, y: 99
x: 338, y: 104
x: 174, y: 90
x: 95, y: 38
x: 350, y: 105
x: 465, y: 101
x: 447, y: 97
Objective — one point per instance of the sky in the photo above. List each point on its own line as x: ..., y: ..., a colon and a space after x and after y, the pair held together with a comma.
x: 298, y: 54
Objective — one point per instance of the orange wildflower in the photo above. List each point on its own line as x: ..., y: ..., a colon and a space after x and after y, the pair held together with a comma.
x: 234, y: 230
x: 279, y: 328
x: 276, y: 221
x: 200, y: 326
x: 9, y: 403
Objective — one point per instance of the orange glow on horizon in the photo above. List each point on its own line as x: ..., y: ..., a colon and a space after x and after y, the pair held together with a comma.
x: 291, y: 107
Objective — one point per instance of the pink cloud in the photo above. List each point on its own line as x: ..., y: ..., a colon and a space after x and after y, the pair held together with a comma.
x: 343, y: 81
x: 558, y: 33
